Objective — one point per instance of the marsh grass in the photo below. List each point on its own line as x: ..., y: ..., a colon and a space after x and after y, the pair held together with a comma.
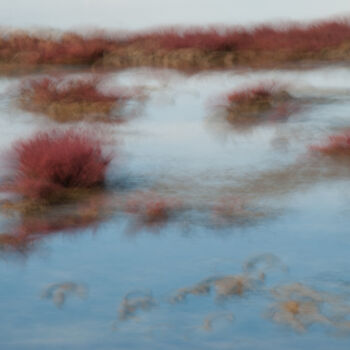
x: 261, y: 103
x: 72, y: 100
x: 263, y: 46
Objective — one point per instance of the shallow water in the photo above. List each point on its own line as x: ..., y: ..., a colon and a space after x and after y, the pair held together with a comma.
x: 176, y: 147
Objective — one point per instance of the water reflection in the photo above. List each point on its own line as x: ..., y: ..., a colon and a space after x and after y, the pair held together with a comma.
x: 27, y: 230
x: 209, y: 321
x: 221, y: 188
x: 232, y: 285
x: 263, y: 103
x: 58, y: 292
x: 300, y: 306
x: 133, y: 303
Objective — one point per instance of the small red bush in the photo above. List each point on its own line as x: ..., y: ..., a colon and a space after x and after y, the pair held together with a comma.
x: 263, y: 102
x: 69, y: 100
x: 54, y: 163
x: 150, y: 209
x: 337, y: 145
x: 73, y: 90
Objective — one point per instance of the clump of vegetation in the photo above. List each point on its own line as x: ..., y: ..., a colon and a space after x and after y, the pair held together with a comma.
x: 211, y: 48
x: 180, y: 48
x: 228, y: 286
x: 22, y: 51
x: 151, y: 210
x: 257, y: 104
x: 71, y: 100
x: 54, y: 166
x: 337, y: 146
x: 299, y: 306
x: 57, y: 185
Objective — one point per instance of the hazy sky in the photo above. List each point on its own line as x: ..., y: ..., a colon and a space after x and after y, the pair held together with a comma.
x: 136, y: 14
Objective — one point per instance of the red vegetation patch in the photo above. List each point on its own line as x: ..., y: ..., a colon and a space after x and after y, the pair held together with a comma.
x: 260, y: 46
x: 150, y: 209
x: 191, y: 48
x: 312, y: 37
x: 27, y: 51
x: 52, y: 166
x: 336, y: 146
x: 70, y: 100
x: 263, y: 102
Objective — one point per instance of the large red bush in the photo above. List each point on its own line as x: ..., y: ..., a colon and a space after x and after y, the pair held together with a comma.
x: 51, y: 164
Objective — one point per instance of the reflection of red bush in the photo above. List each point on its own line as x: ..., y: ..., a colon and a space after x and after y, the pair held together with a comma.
x: 51, y: 164
x: 33, y: 229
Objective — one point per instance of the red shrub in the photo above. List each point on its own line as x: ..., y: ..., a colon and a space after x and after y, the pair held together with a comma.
x: 252, y: 95
x: 69, y: 100
x: 257, y: 46
x: 70, y: 48
x: 151, y: 209
x: 50, y: 163
x: 314, y: 37
x: 263, y: 102
x: 73, y: 90
x: 337, y: 145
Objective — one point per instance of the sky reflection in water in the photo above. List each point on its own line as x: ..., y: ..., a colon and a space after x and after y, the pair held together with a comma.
x: 171, y: 150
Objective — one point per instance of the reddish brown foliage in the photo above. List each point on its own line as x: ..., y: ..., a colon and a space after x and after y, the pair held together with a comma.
x: 195, y: 48
x: 251, y: 95
x: 314, y: 37
x: 261, y: 46
x: 24, y: 49
x: 263, y: 102
x: 150, y: 209
x: 69, y: 100
x: 336, y: 146
x: 55, y: 165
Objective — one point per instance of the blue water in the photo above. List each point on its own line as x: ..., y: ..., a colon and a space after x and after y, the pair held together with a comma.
x: 171, y: 149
